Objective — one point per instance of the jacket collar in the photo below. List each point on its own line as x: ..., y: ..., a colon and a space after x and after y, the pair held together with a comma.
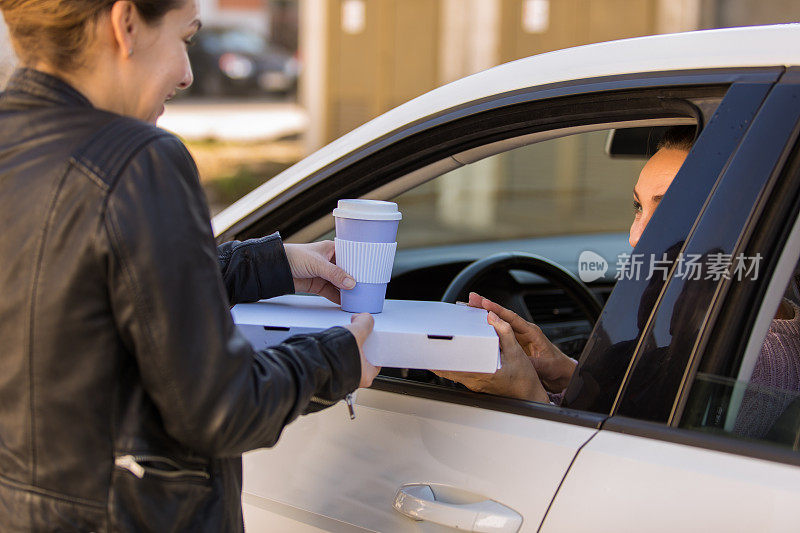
x: 44, y: 87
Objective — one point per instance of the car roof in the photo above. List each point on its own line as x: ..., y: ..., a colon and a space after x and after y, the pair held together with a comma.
x: 753, y: 46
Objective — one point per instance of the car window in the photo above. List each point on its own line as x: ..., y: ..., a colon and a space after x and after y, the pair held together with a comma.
x: 433, y: 249
x: 760, y: 398
x: 556, y: 198
x: 563, y: 186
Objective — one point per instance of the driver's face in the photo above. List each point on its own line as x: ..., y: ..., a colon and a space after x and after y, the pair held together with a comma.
x: 654, y: 180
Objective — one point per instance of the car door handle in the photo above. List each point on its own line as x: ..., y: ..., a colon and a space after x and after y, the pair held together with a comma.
x: 456, y: 508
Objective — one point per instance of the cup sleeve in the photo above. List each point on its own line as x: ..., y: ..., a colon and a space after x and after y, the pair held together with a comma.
x: 367, y: 262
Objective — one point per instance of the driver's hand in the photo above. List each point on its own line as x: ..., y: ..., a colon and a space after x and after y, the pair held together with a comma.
x: 517, y: 376
x: 552, y: 365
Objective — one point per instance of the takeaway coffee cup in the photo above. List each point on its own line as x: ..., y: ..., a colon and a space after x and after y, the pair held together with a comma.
x: 366, y: 235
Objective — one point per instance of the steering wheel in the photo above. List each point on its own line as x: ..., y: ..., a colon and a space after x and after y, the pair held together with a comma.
x: 554, y: 273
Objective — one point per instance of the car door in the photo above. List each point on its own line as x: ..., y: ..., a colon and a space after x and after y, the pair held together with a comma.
x: 460, y: 459
x: 333, y: 471
x: 710, y: 444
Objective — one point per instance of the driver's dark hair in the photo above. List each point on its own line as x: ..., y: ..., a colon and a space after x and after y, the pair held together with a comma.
x: 678, y: 138
x: 56, y: 32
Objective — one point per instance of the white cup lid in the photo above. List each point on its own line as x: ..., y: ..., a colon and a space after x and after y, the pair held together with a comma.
x: 367, y: 210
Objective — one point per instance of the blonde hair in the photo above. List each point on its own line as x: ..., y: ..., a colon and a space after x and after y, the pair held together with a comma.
x: 57, y: 31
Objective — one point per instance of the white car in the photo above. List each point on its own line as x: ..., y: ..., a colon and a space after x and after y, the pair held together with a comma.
x: 538, y: 157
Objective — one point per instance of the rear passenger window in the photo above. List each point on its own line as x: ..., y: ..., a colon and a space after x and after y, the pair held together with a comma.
x: 762, y: 401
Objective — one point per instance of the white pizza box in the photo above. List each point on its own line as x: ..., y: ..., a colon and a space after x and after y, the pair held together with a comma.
x: 407, y: 334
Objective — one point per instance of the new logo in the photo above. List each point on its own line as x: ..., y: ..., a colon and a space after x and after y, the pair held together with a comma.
x: 591, y: 266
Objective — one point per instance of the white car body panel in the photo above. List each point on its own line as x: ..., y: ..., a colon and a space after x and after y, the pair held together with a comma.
x: 331, y: 483
x: 621, y: 482
x: 758, y: 46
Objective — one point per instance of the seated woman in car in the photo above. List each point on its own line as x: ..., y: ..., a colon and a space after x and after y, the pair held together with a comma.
x: 535, y: 369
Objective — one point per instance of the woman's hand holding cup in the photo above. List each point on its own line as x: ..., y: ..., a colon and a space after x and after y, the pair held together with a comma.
x: 314, y: 271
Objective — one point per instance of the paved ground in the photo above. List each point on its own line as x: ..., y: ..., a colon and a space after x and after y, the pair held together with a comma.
x: 244, y: 119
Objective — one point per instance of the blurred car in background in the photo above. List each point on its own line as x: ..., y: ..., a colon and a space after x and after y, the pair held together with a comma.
x: 232, y: 60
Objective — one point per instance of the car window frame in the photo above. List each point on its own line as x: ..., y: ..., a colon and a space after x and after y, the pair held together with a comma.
x: 742, y: 305
x: 729, y: 216
x: 424, y: 142
x: 610, y: 353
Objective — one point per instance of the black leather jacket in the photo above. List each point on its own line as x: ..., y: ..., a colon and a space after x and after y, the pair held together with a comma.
x: 126, y: 394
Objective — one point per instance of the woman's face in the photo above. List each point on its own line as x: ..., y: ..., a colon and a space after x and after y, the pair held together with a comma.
x: 654, y: 180
x: 159, y: 65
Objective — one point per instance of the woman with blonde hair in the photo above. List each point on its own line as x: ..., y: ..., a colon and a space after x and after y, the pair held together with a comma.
x: 126, y: 394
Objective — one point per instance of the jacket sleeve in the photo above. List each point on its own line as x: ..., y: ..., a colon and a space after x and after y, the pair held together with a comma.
x: 214, y: 393
x: 255, y: 269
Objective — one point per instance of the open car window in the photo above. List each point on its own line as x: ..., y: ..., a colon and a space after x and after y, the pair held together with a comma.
x: 564, y: 186
x: 555, y: 198
x: 570, y: 214
x: 560, y: 198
